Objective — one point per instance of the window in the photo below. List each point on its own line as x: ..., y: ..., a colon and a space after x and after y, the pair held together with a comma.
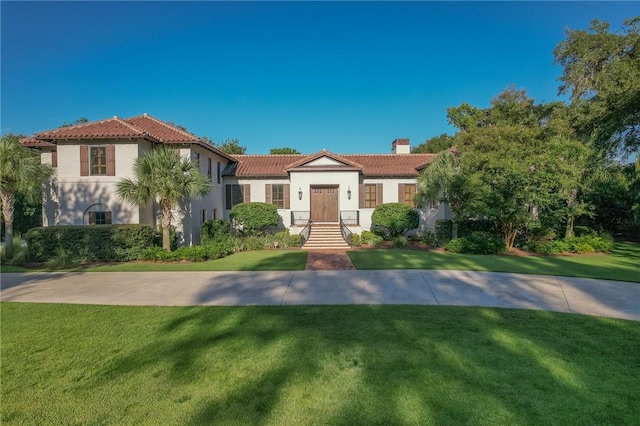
x: 99, y: 161
x: 100, y: 218
x: 370, y: 196
x: 236, y: 194
x: 203, y: 215
x: 407, y: 193
x: 214, y: 214
x: 218, y: 173
x: 54, y: 159
x: 209, y: 168
x: 277, y: 196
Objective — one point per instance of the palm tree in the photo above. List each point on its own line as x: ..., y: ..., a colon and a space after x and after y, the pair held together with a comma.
x: 165, y: 177
x: 435, y: 181
x: 20, y: 172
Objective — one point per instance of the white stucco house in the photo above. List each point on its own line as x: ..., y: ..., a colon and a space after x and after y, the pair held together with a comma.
x: 324, y: 188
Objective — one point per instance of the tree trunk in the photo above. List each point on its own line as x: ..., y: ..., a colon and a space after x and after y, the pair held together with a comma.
x: 509, y: 234
x: 569, y: 231
x: 454, y: 229
x: 8, y: 204
x: 571, y: 202
x: 166, y: 228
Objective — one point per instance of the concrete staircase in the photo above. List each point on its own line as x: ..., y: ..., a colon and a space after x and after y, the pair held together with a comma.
x: 325, y: 237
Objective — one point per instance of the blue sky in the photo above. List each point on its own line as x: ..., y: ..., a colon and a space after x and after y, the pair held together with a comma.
x: 348, y: 77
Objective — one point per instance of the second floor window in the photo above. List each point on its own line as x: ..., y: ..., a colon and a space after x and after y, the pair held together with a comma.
x: 99, y: 161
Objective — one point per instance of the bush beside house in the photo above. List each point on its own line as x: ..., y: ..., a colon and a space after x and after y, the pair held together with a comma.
x: 392, y: 220
x: 104, y: 243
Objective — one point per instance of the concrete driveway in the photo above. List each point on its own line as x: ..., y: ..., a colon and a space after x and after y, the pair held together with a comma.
x: 417, y: 287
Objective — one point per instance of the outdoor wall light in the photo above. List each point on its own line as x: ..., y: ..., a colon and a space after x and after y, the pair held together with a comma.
x: 349, y: 192
x: 299, y: 193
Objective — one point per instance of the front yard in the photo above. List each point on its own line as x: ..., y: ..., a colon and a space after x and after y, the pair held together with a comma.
x: 622, y: 265
x: 75, y: 364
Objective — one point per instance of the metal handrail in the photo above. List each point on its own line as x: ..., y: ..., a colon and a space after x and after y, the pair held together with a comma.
x: 306, y: 231
x: 346, y: 233
x: 351, y: 217
x: 300, y: 217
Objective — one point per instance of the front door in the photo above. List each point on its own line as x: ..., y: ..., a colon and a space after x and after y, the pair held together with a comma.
x: 324, y: 203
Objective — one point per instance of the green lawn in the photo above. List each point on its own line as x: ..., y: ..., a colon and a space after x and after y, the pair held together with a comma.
x: 262, y: 260
x: 78, y: 364
x: 623, y: 264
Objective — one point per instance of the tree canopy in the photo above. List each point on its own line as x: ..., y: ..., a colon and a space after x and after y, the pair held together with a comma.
x: 602, y: 75
x: 162, y: 176
x: 231, y: 146
x: 283, y: 151
x: 434, y: 145
x: 21, y: 173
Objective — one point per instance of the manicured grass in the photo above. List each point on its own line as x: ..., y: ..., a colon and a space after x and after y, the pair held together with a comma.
x: 623, y: 264
x: 262, y: 260
x: 77, y: 364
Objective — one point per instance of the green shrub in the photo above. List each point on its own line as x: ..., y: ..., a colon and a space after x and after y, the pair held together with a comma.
x: 429, y: 237
x: 209, y: 251
x: 370, y: 239
x: 215, y: 230
x: 456, y: 245
x: 255, y: 242
x: 391, y: 220
x: 155, y: 254
x: 296, y: 240
x: 356, y: 241
x: 254, y: 217
x: 174, y: 237
x: 61, y: 259
x: 94, y: 243
x: 477, y: 243
x: 443, y: 232
x: 399, y: 242
x: 19, y: 255
x: 580, y: 231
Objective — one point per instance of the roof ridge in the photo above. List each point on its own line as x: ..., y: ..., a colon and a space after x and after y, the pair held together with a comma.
x: 61, y: 128
x: 175, y: 128
x: 130, y: 125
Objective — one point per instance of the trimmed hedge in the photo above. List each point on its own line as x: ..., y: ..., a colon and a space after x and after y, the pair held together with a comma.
x: 255, y: 217
x: 94, y: 243
x: 390, y: 220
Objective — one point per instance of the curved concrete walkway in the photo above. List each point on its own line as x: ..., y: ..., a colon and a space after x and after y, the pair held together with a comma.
x: 417, y: 287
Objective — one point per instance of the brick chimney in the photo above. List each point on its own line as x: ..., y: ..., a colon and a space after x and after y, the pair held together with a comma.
x: 401, y: 146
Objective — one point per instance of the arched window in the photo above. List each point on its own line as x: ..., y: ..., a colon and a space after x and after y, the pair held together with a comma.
x: 97, y: 214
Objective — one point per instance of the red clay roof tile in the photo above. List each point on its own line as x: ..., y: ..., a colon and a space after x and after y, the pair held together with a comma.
x: 382, y: 165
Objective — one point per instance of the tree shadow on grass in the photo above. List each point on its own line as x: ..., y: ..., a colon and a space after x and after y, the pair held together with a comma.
x: 393, y: 365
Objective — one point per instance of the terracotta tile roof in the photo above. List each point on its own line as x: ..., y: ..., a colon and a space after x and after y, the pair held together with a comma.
x: 114, y: 127
x: 162, y: 131
x: 372, y: 165
x: 324, y: 153
x: 142, y: 127
x: 34, y: 143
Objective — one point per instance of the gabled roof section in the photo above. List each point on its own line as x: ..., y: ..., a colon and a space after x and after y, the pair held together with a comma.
x: 370, y: 165
x: 164, y: 132
x: 301, y: 163
x: 111, y: 128
x: 140, y: 127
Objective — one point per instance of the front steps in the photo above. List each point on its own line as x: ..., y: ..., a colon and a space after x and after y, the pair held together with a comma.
x: 325, y: 237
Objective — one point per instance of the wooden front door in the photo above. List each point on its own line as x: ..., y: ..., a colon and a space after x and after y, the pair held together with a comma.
x: 324, y: 203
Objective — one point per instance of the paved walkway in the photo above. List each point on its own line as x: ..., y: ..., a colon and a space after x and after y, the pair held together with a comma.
x: 422, y: 287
